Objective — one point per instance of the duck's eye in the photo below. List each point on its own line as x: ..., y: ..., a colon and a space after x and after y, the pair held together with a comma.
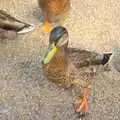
x: 63, y: 40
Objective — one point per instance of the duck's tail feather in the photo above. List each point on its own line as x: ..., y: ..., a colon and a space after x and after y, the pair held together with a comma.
x: 9, y: 22
x: 27, y: 28
x: 106, y: 57
x: 99, y: 59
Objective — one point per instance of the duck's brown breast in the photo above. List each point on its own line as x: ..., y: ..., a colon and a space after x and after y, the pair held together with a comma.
x: 57, y: 71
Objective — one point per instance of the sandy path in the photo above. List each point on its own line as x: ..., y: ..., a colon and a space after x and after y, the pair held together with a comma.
x: 26, y: 95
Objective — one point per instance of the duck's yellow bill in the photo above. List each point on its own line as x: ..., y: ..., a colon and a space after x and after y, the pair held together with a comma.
x: 50, y: 55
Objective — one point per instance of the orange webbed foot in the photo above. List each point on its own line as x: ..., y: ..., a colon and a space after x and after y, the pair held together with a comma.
x: 46, y: 26
x: 81, y: 104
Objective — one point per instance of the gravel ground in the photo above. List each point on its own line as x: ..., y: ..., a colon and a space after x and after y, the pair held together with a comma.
x: 24, y: 92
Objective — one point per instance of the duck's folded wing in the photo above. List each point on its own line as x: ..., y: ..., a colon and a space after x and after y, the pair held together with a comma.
x: 81, y: 58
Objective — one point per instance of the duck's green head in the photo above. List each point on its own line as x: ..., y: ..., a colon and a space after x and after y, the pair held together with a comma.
x: 58, y: 39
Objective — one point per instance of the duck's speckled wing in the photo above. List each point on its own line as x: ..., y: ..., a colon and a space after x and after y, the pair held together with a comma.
x: 82, y: 58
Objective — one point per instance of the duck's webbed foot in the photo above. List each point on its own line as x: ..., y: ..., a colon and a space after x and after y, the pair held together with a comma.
x: 81, y: 104
x: 46, y: 26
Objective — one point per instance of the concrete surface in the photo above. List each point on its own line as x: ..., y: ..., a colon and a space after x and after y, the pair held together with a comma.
x: 24, y: 92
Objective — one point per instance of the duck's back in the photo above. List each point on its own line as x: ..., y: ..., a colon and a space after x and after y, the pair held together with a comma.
x: 81, y: 58
x: 53, y: 8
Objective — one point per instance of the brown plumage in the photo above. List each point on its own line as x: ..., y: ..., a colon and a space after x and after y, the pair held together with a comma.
x: 62, y: 65
x: 53, y: 10
x: 65, y: 66
x: 57, y: 69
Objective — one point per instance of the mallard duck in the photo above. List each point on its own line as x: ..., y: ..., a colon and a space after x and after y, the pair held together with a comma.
x: 62, y: 64
x: 53, y: 10
x: 9, y: 24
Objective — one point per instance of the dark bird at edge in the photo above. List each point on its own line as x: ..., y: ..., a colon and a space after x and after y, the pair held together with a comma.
x: 10, y: 26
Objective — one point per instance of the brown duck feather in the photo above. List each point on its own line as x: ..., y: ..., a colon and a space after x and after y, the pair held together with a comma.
x: 54, y: 9
x: 57, y: 68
